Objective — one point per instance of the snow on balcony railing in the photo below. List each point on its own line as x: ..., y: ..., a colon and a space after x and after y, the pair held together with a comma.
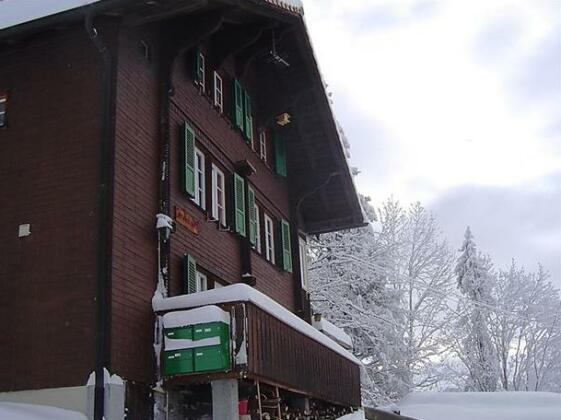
x: 332, y: 331
x: 243, y: 293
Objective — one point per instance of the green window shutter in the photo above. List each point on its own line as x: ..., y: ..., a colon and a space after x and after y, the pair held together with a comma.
x: 238, y: 105
x: 248, y: 118
x: 252, y: 216
x: 280, y: 155
x: 188, y: 173
x: 286, y: 246
x: 189, y: 274
x: 239, y: 205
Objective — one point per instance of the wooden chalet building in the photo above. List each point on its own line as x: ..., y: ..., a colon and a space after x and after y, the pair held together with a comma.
x: 162, y: 157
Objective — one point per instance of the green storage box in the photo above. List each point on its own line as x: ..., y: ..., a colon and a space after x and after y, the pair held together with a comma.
x: 177, y: 362
x: 180, y: 332
x: 212, y: 329
x: 212, y: 358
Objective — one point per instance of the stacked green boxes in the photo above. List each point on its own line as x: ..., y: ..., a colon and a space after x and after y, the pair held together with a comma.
x: 212, y: 357
x: 179, y: 361
x: 208, y: 351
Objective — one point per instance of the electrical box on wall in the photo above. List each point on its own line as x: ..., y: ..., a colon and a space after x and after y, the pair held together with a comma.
x: 24, y: 230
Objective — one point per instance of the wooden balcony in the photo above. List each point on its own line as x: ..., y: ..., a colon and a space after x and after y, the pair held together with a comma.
x: 280, y: 355
x: 291, y: 355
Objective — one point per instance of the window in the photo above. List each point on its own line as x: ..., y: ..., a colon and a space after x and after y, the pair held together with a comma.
x: 200, y: 63
x: 218, y: 96
x: 188, y: 173
x: 238, y: 105
x: 303, y: 249
x: 285, y: 247
x: 145, y: 50
x: 280, y: 155
x: 218, y: 195
x: 3, y: 106
x: 202, y: 283
x: 269, y: 239
x: 218, y: 285
x: 199, y: 197
x: 263, y: 145
x: 257, y: 245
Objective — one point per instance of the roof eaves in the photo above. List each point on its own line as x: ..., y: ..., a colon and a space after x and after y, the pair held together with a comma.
x: 341, y: 146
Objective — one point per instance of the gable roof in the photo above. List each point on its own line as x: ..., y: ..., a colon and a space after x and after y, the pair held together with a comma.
x: 17, y: 12
x: 324, y: 192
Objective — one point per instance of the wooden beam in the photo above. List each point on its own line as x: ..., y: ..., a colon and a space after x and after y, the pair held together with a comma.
x: 159, y: 11
x: 247, y: 57
x: 234, y: 40
x: 182, y: 33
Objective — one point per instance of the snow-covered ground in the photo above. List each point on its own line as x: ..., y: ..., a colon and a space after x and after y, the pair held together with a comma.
x: 482, y: 405
x: 17, y: 411
x: 357, y: 415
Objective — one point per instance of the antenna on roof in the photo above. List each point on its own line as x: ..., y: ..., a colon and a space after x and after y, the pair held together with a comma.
x: 275, y: 57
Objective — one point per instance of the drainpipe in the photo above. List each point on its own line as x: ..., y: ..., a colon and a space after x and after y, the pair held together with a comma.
x: 102, y: 338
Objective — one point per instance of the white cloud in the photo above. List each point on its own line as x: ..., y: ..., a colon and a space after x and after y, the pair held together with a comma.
x: 412, y: 67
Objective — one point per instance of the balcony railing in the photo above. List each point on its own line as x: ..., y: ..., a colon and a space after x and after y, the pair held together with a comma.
x: 272, y: 345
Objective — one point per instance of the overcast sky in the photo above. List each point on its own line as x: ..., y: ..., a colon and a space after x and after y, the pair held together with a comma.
x: 456, y: 104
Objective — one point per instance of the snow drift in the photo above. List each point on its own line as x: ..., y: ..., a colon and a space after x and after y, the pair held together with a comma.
x: 482, y: 405
x: 17, y: 411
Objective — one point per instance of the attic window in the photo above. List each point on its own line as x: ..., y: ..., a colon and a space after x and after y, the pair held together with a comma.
x: 3, y: 106
x: 200, y: 70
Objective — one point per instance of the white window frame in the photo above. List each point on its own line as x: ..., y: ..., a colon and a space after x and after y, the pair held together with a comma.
x: 218, y: 92
x: 202, y: 282
x: 257, y: 230
x: 218, y: 191
x: 303, y: 252
x: 3, y: 108
x: 269, y: 238
x: 200, y: 179
x: 263, y: 145
x: 201, y: 71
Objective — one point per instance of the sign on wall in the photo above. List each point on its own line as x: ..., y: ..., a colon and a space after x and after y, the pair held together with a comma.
x: 187, y: 221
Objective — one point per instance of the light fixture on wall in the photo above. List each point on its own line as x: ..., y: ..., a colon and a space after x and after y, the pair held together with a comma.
x: 283, y: 119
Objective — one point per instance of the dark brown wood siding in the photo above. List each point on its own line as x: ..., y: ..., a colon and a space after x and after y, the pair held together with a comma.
x: 284, y: 356
x: 49, y: 178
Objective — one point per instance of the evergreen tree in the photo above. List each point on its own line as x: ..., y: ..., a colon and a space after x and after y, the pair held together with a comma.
x: 475, y: 282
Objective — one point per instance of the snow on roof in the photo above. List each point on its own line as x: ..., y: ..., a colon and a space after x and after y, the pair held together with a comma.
x: 243, y: 293
x: 15, y: 12
x: 292, y: 5
x: 334, y: 332
x: 202, y: 315
x: 482, y: 405
x: 18, y: 411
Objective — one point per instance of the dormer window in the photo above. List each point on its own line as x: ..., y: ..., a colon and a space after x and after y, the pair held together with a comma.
x: 218, y: 93
x: 3, y: 106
